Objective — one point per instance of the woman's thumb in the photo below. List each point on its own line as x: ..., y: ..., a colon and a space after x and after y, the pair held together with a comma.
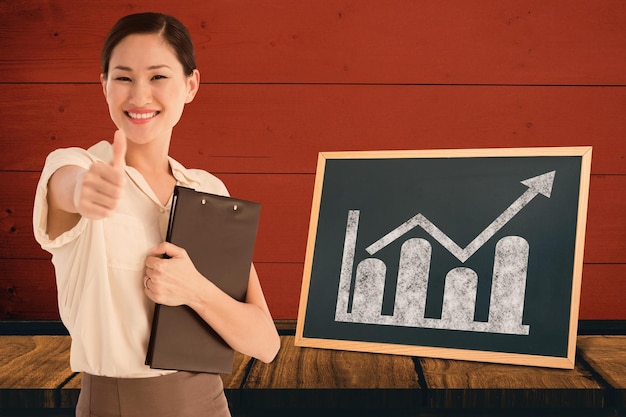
x: 119, y: 149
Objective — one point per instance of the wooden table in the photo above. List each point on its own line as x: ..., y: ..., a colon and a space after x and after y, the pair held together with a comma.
x: 35, y: 375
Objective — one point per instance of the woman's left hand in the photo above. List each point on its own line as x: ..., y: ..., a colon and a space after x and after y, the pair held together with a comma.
x: 246, y: 326
x: 171, y: 281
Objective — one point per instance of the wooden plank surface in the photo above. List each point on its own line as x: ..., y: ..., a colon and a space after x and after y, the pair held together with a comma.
x: 263, y: 128
x: 602, y: 292
x: 34, y: 373
x: 607, y: 356
x: 234, y: 381
x: 286, y: 206
x: 28, y: 286
x: 70, y: 391
x: 31, y: 370
x: 281, y: 237
x: 284, y: 80
x: 393, y: 41
x: 28, y: 289
x: 303, y: 378
x: 472, y: 385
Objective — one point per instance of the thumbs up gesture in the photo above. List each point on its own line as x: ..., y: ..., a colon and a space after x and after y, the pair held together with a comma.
x: 119, y: 150
x: 99, y: 189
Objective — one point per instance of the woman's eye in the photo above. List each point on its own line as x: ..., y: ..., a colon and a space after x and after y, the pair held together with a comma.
x: 159, y: 77
x: 122, y: 79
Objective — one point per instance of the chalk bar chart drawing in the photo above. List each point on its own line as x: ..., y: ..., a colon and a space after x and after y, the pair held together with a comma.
x: 469, y: 254
x: 509, y: 275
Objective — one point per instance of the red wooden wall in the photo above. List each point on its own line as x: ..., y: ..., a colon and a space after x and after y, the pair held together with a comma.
x: 283, y: 80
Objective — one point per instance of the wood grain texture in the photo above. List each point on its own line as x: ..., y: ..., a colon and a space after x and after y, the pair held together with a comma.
x: 602, y: 292
x: 237, y: 378
x: 27, y: 284
x: 286, y: 205
x: 28, y: 289
x: 281, y: 285
x: 267, y: 128
x: 34, y: 374
x: 31, y: 369
x: 459, y: 384
x: 281, y: 237
x: 314, y: 378
x: 606, y: 233
x: 396, y: 41
x: 607, y: 356
x: 69, y: 392
x: 284, y: 80
x: 234, y: 381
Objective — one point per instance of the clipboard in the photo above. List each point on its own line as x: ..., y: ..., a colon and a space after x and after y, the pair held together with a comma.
x: 219, y: 234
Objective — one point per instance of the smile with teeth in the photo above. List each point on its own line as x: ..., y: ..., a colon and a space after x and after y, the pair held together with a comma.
x: 148, y: 115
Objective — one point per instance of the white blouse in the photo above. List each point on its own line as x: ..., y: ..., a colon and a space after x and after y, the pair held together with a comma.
x: 99, y: 266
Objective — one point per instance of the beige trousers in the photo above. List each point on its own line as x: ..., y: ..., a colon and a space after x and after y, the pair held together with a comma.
x: 182, y: 394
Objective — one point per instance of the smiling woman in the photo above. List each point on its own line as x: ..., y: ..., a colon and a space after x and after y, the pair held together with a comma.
x: 109, y: 274
x: 147, y: 88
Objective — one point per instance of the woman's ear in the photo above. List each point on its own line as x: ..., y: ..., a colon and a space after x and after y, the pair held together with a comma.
x: 103, y: 81
x: 193, y: 83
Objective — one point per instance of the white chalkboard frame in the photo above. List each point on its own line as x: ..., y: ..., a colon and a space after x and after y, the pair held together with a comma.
x: 481, y: 355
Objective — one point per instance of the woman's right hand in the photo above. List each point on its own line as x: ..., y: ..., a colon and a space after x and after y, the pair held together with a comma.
x: 94, y: 193
x: 99, y: 189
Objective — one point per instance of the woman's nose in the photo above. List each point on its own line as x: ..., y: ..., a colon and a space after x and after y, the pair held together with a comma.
x: 140, y: 93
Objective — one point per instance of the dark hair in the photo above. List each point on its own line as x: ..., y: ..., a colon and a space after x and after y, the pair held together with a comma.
x: 170, y: 28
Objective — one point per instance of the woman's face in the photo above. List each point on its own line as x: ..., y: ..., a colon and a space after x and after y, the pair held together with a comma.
x: 146, y: 88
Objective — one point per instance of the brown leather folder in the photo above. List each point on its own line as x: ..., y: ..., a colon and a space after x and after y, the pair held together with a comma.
x: 219, y: 234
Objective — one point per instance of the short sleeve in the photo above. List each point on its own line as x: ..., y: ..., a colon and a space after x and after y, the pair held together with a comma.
x: 55, y: 160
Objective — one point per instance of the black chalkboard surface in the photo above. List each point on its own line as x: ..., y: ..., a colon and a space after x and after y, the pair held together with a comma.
x: 462, y: 254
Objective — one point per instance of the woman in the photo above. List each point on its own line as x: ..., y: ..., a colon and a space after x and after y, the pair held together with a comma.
x: 103, y: 213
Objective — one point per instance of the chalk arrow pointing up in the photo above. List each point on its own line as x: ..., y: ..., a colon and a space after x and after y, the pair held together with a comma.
x: 541, y: 184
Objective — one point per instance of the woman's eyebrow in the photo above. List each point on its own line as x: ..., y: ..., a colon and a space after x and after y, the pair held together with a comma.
x: 151, y: 67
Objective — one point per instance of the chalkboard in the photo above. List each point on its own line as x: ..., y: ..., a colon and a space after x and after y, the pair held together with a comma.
x: 471, y: 254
